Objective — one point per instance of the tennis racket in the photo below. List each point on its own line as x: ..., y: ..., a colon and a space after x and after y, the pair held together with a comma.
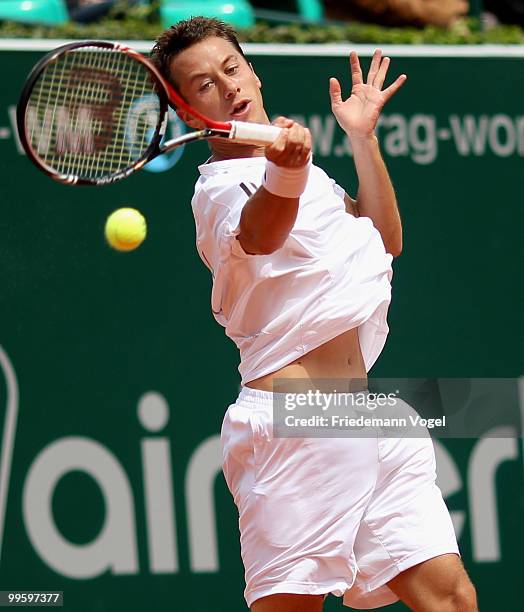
x: 93, y: 112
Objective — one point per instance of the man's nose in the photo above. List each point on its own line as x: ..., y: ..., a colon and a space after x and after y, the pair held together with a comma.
x: 231, y: 90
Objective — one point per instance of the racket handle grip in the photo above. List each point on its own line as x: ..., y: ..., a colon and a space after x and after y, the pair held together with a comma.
x: 253, y: 133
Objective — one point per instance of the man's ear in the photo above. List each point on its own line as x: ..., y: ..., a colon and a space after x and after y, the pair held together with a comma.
x: 259, y: 82
x: 196, y: 124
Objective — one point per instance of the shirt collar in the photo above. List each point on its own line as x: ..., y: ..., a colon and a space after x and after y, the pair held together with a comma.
x: 223, y: 166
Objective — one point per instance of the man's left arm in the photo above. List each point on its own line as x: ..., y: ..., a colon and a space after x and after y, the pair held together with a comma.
x: 358, y: 117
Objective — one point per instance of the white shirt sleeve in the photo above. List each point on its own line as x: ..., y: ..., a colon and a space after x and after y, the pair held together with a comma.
x: 338, y: 189
x: 217, y: 207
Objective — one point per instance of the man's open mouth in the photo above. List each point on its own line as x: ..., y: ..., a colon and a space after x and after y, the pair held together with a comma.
x: 240, y: 108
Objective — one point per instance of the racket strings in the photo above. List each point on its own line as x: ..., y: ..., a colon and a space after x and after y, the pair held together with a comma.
x: 92, y: 113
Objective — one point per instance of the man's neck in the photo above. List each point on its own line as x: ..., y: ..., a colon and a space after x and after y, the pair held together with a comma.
x: 222, y: 149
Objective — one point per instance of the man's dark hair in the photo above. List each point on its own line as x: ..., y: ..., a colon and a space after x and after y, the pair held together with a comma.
x: 186, y: 33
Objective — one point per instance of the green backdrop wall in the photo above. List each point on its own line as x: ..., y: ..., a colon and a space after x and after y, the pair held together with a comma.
x: 114, y: 376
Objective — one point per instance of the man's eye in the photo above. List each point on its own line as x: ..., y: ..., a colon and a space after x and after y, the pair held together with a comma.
x: 205, y: 85
x: 231, y: 69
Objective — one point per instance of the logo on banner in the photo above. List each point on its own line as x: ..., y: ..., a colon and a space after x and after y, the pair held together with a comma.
x: 115, y: 547
x: 8, y: 421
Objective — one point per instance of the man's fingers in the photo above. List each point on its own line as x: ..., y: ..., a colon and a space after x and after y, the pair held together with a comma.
x: 283, y: 122
x: 280, y: 143
x: 375, y: 65
x: 356, y: 71
x: 308, y: 144
x: 305, y: 153
x: 279, y: 147
x: 335, y: 92
x: 394, y: 87
x: 296, y: 139
x: 302, y: 150
x: 292, y: 147
x: 382, y: 73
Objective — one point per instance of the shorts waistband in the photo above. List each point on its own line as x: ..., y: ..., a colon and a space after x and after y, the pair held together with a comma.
x: 257, y: 396
x: 266, y: 398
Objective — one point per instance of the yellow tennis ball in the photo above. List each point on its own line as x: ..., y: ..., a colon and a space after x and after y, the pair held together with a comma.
x: 125, y: 229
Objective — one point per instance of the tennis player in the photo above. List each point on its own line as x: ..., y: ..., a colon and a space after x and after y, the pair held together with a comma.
x: 301, y: 283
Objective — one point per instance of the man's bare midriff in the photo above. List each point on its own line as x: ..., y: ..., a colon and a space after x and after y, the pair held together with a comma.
x: 340, y: 358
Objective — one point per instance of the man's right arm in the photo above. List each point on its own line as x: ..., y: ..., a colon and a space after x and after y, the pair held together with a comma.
x: 267, y: 218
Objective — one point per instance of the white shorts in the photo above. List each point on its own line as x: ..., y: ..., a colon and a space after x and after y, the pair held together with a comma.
x: 330, y: 515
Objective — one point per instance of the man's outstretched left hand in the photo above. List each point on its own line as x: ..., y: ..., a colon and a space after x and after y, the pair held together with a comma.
x: 358, y: 115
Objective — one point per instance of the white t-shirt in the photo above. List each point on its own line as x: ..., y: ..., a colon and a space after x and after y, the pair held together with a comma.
x: 331, y: 275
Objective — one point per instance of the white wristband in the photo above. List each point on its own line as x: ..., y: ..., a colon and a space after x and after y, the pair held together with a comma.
x: 286, y: 182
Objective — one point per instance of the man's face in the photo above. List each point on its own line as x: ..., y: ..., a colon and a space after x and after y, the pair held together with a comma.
x: 217, y: 81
